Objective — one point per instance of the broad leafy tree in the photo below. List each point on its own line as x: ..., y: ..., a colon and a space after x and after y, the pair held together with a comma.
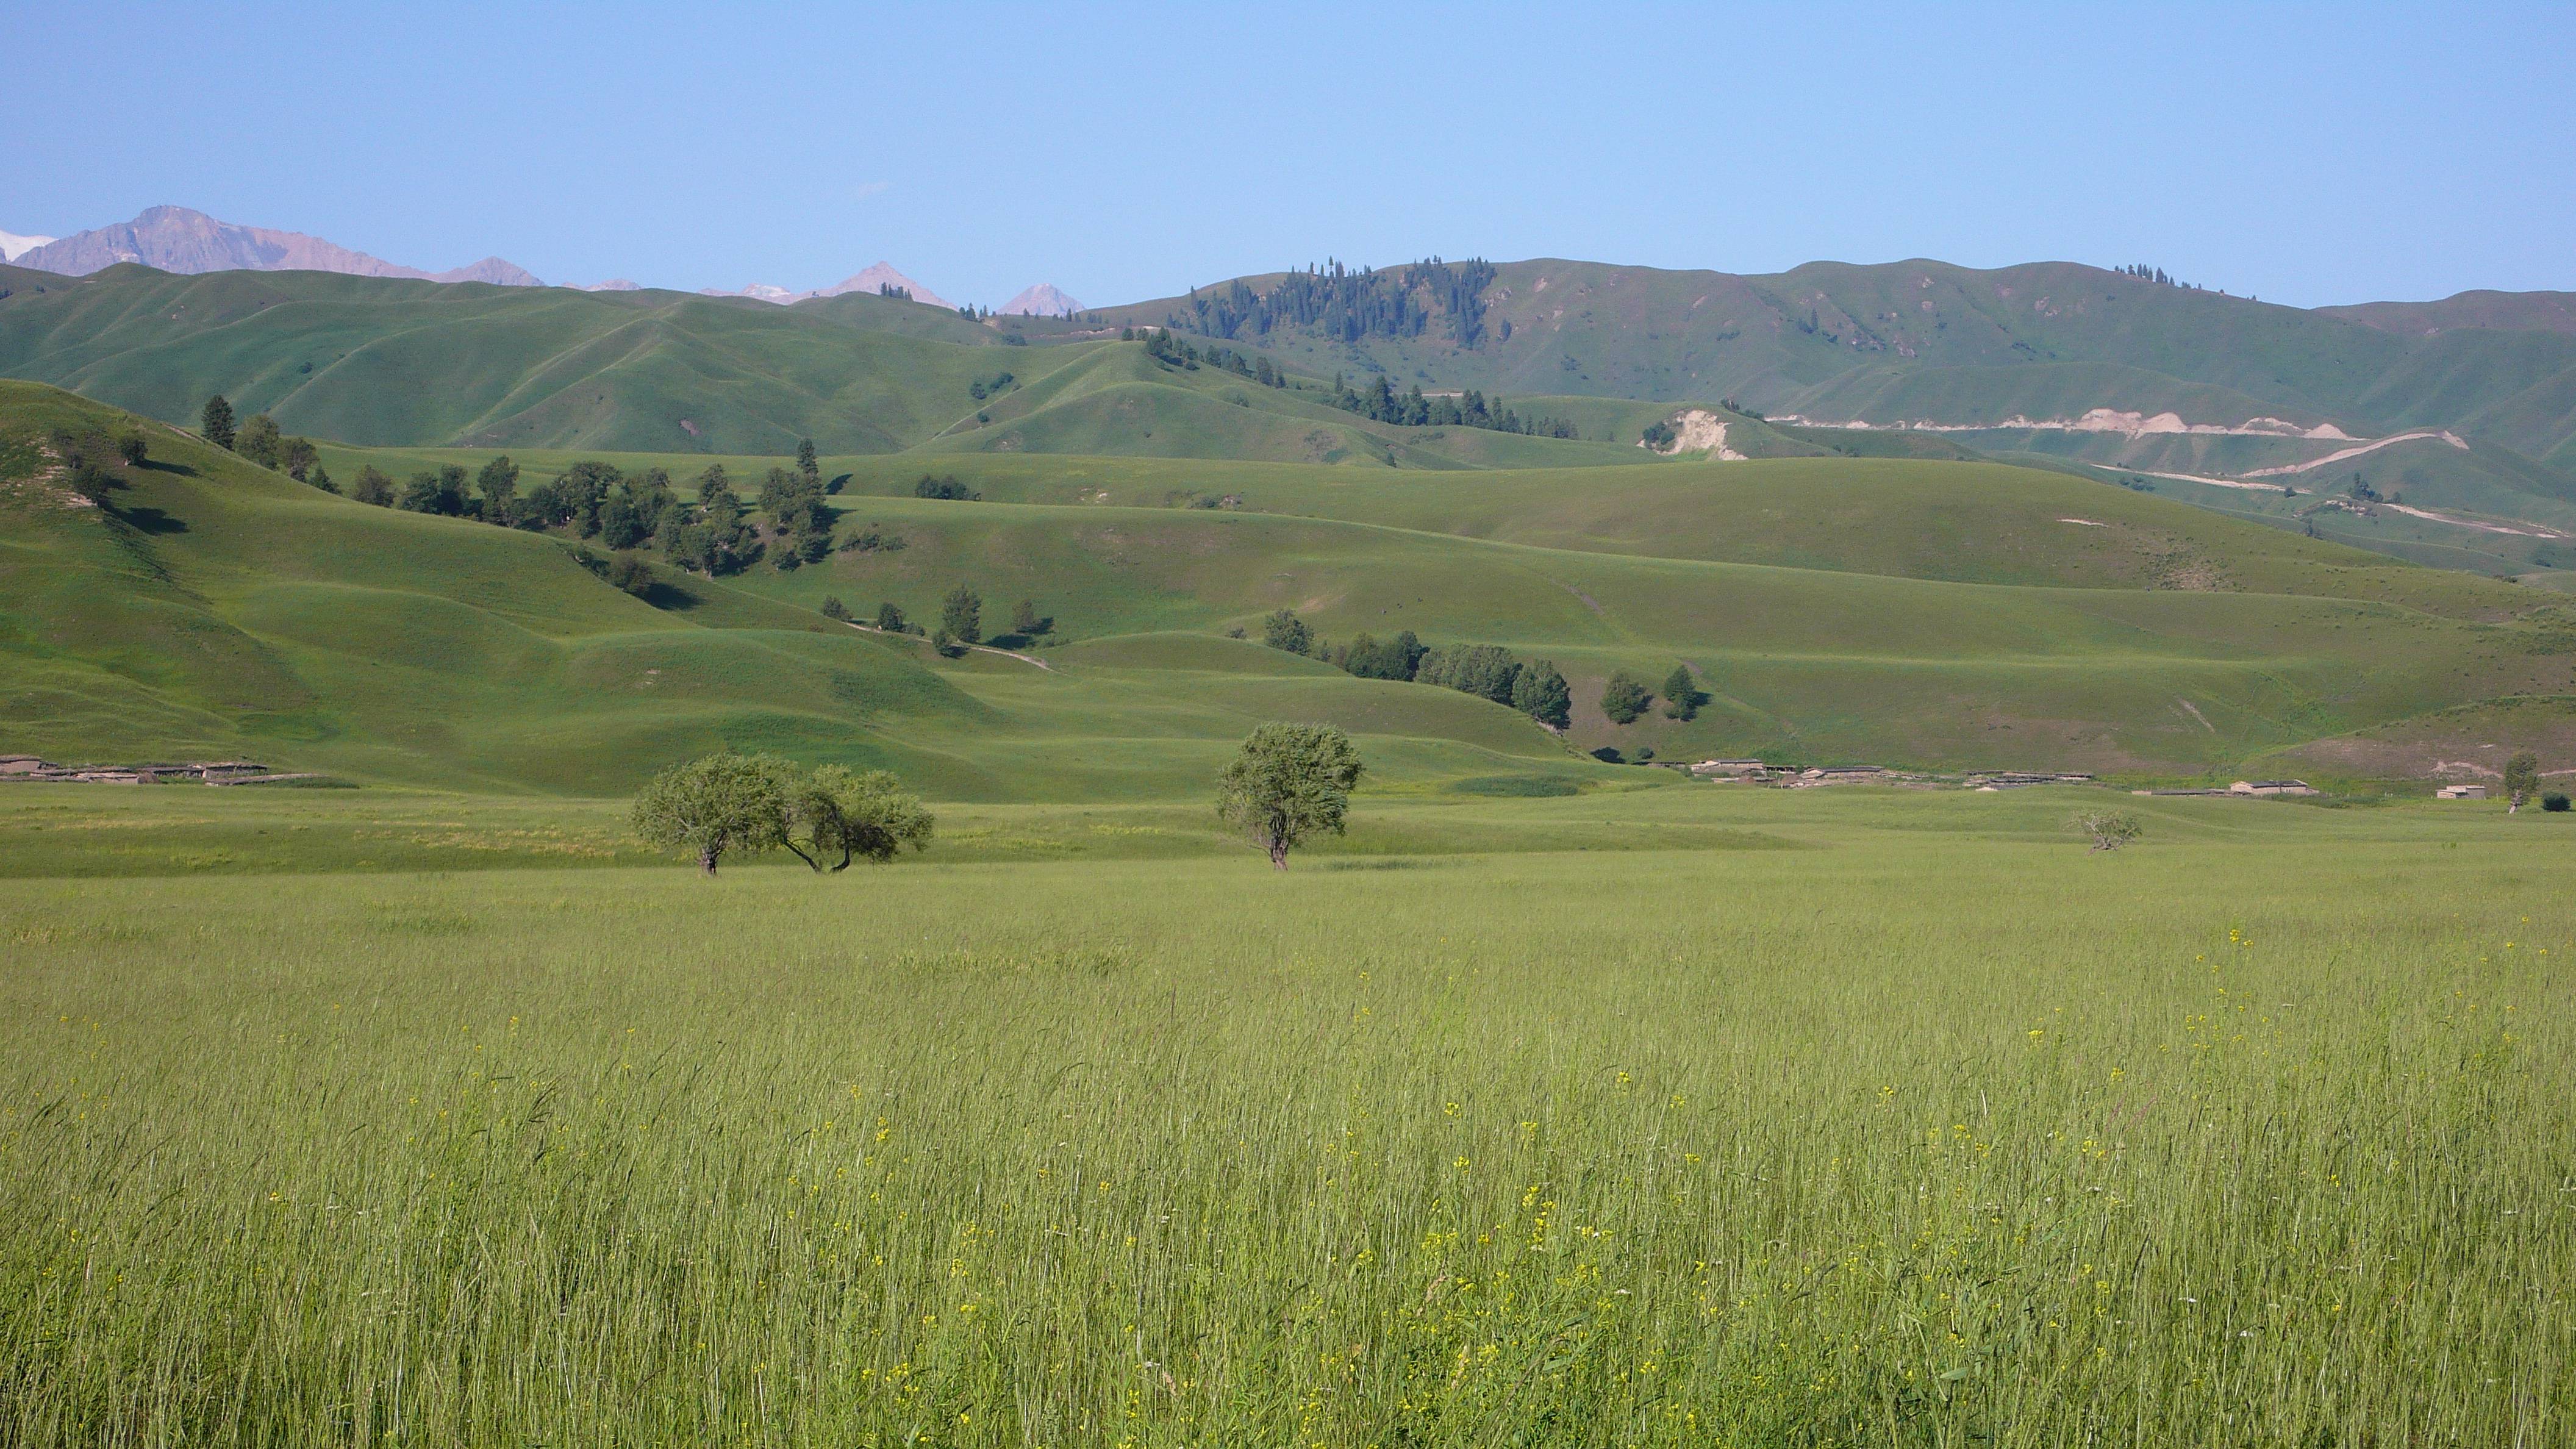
x: 1540, y: 693
x: 259, y: 439
x: 718, y: 805
x: 866, y: 816
x: 1287, y: 783
x: 498, y: 483
x: 1625, y: 699
x: 2521, y: 780
x: 1284, y: 630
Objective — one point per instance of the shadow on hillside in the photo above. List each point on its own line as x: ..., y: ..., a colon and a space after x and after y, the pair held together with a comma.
x: 146, y: 520
x: 670, y: 597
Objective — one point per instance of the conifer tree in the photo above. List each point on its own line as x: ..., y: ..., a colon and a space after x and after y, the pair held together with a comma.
x: 216, y: 422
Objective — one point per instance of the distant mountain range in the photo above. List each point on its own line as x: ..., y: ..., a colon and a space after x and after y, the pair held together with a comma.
x: 176, y: 239
x: 1045, y: 299
x: 875, y: 281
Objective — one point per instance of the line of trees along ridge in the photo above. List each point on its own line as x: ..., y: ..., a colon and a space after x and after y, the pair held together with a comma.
x: 1488, y: 671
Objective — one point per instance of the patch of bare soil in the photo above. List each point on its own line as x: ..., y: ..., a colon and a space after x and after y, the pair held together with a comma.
x: 1697, y: 430
x: 2471, y: 742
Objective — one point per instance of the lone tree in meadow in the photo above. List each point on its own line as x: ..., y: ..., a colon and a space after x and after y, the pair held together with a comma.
x: 962, y: 615
x: 746, y: 804
x: 1026, y: 621
x: 2521, y: 780
x: 2108, y: 829
x: 1625, y: 699
x: 890, y: 618
x: 862, y: 816
x: 1288, y: 782
x: 216, y: 422
x: 718, y: 804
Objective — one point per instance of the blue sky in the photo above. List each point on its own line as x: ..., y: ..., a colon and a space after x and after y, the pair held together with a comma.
x: 2304, y: 155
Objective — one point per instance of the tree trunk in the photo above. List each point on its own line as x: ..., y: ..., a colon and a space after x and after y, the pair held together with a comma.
x: 1278, y: 853
x: 707, y: 861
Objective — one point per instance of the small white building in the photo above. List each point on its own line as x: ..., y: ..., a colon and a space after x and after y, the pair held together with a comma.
x: 2271, y: 787
x: 2461, y: 792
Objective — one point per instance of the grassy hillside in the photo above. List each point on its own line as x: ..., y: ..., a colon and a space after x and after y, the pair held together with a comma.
x: 371, y: 361
x: 1920, y: 340
x: 209, y: 609
x: 1886, y: 611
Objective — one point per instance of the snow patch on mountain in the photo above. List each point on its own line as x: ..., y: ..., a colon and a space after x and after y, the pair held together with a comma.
x: 875, y: 279
x: 14, y: 246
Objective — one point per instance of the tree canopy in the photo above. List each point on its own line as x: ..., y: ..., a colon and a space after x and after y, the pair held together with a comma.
x: 866, y: 816
x: 962, y: 615
x: 1625, y: 699
x: 1287, y: 783
x: 2521, y: 780
x: 718, y: 804
x: 216, y: 422
x: 747, y: 804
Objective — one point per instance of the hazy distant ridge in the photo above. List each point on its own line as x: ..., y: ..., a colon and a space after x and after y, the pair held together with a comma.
x: 176, y: 239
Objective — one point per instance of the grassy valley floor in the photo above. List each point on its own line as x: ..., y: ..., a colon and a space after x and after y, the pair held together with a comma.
x: 1663, y: 1116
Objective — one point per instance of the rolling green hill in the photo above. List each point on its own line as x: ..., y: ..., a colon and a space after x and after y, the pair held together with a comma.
x: 202, y: 608
x: 1922, y: 343
x: 374, y: 361
x: 1886, y: 611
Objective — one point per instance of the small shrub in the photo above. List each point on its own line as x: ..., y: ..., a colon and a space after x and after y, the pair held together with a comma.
x: 2108, y: 829
x: 2553, y: 802
x: 835, y: 610
x: 947, y: 488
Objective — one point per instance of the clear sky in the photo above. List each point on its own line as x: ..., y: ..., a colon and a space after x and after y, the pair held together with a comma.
x: 2307, y: 155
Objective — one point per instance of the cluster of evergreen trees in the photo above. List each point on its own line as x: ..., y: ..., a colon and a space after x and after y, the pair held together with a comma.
x: 1488, y: 671
x: 2145, y: 273
x: 1171, y: 351
x: 1381, y: 403
x: 1340, y: 305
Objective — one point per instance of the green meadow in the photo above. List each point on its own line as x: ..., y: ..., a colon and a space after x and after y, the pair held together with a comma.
x: 1695, y: 1115
x: 1558, y: 1102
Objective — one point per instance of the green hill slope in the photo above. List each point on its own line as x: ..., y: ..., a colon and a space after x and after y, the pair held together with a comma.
x: 372, y: 361
x: 1919, y: 342
x: 1888, y: 610
x: 200, y: 607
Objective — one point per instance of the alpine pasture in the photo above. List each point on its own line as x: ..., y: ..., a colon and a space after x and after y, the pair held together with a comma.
x: 1558, y: 1101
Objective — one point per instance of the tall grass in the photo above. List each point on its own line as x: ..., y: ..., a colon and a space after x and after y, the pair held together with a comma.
x: 1913, y: 1140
